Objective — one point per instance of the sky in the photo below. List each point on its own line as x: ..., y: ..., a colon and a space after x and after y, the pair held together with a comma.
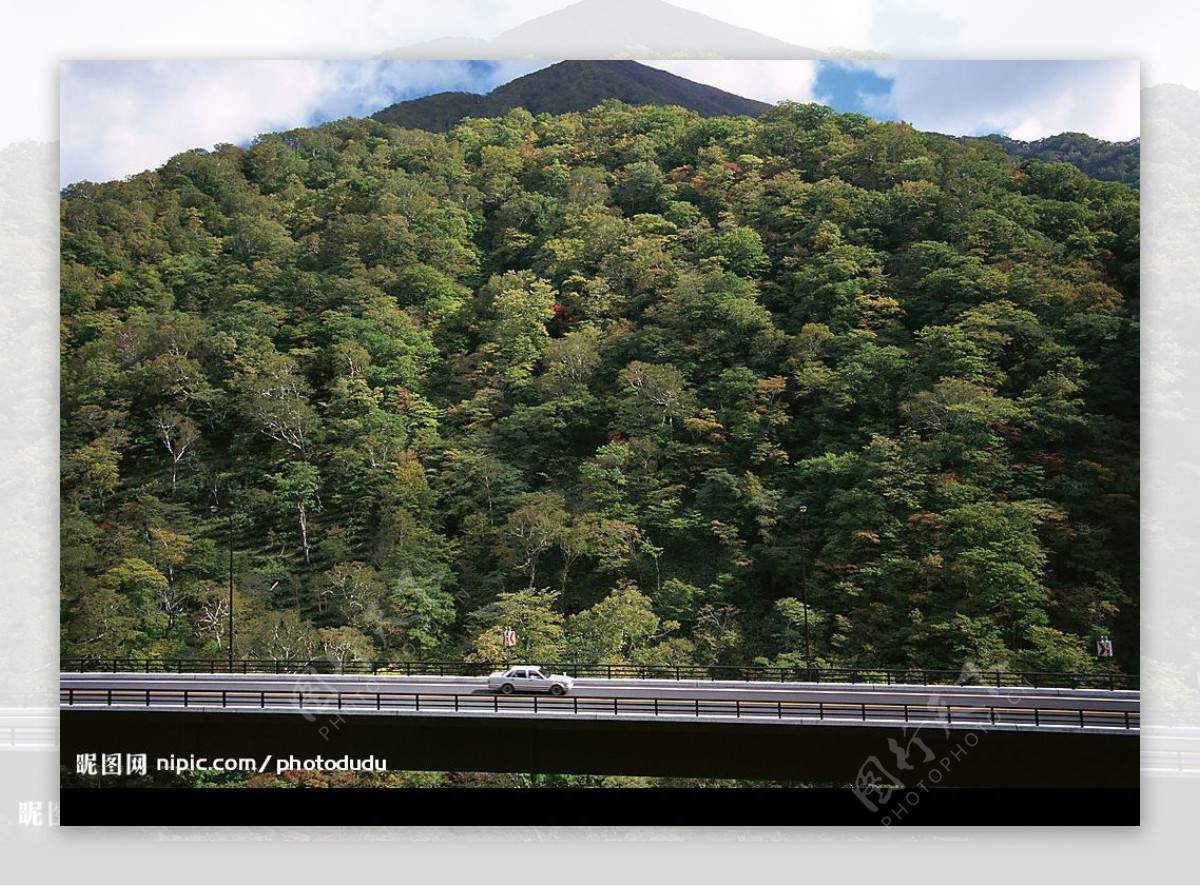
x: 119, y: 118
x: 38, y: 36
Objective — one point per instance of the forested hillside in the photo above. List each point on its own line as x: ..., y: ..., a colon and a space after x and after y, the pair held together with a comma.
x: 1104, y: 160
x: 618, y: 380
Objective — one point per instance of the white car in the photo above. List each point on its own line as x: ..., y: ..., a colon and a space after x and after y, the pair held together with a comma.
x: 527, y: 678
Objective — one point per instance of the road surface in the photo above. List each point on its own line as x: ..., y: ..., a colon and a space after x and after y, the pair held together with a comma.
x: 957, y: 705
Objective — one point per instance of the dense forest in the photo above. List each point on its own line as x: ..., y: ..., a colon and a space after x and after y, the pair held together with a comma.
x: 632, y: 382
x: 1104, y: 160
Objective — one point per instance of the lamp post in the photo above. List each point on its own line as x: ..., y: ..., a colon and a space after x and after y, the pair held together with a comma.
x: 229, y: 516
x: 804, y: 591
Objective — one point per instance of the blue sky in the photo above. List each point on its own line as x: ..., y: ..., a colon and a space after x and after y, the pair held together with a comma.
x: 121, y: 117
x: 850, y: 88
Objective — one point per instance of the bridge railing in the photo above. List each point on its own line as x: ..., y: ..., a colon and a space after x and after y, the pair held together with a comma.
x: 320, y: 700
x: 754, y: 673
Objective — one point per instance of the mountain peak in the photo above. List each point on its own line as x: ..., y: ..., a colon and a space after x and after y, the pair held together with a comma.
x: 571, y: 86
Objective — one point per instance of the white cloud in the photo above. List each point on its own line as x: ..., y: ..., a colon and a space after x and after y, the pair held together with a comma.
x: 767, y: 81
x: 41, y: 35
x: 1027, y: 99
x: 119, y: 118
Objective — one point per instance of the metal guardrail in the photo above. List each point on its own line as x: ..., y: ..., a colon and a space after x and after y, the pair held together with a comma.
x: 754, y: 673
x: 300, y: 700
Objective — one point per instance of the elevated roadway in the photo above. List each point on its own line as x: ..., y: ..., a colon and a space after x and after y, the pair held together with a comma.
x: 814, y: 733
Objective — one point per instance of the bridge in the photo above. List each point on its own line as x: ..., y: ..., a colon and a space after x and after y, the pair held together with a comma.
x: 813, y: 732
x: 917, y: 676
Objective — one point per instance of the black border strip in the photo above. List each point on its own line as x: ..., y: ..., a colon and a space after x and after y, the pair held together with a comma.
x: 657, y: 807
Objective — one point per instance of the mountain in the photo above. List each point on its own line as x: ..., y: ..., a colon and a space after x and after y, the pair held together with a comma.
x: 586, y: 378
x: 571, y: 86
x: 602, y: 29
x: 1099, y: 159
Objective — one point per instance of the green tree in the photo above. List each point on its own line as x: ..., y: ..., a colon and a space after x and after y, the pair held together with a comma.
x: 518, y: 307
x: 421, y: 612
x: 298, y: 486
x: 103, y: 625
x: 616, y: 628
x: 529, y: 612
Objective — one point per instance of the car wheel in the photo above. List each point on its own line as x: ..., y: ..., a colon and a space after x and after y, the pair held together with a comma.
x: 507, y: 689
x: 557, y: 689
